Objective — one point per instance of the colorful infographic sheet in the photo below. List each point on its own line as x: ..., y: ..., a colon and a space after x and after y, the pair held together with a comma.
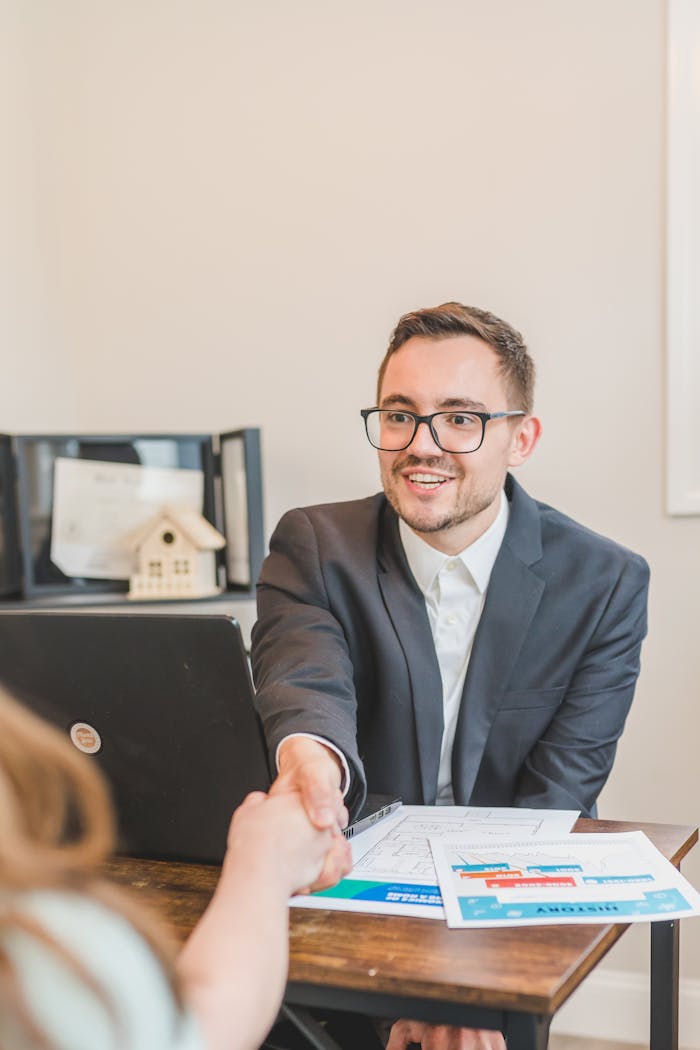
x: 577, y: 879
x: 393, y: 871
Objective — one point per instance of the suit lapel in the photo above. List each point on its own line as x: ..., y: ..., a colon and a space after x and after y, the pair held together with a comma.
x: 405, y: 606
x: 513, y: 596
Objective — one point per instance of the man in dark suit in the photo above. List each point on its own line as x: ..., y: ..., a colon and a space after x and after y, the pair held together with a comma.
x: 450, y: 640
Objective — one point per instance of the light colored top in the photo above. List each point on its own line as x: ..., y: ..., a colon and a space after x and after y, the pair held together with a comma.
x: 454, y: 588
x: 145, y: 1015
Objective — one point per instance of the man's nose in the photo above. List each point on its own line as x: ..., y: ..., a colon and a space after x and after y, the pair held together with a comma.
x: 424, y: 442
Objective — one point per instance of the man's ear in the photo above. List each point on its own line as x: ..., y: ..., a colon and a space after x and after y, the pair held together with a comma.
x: 525, y: 437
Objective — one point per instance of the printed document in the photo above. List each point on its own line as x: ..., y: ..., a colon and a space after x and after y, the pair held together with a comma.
x: 393, y: 871
x: 578, y: 879
x: 99, y: 508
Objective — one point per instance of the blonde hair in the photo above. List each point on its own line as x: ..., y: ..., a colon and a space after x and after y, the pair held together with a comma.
x: 56, y: 830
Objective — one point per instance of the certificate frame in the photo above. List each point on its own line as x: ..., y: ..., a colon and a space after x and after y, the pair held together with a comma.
x: 35, y: 457
x: 10, y: 573
x: 241, y: 512
x: 232, y: 501
x: 683, y: 259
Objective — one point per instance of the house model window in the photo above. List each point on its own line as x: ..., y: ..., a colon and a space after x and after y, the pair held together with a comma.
x: 175, y: 554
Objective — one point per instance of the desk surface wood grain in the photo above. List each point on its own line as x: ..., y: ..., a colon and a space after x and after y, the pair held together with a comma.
x: 532, y: 969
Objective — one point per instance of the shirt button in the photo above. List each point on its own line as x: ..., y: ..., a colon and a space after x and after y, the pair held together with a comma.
x: 451, y: 566
x: 452, y: 620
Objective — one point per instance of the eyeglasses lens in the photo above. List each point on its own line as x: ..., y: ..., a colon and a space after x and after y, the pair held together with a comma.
x: 392, y: 431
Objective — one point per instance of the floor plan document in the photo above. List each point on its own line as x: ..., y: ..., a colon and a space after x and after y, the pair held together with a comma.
x: 575, y: 879
x: 393, y: 871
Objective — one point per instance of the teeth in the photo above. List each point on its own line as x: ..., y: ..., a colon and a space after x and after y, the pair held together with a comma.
x: 430, y: 480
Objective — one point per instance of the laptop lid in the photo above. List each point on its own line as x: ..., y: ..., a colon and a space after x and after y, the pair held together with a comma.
x: 163, y: 703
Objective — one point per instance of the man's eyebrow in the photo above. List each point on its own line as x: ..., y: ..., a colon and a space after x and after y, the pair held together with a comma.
x: 398, y: 399
x: 446, y: 403
x: 462, y: 402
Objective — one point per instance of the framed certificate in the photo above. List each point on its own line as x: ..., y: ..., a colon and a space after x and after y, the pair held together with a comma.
x: 80, y: 497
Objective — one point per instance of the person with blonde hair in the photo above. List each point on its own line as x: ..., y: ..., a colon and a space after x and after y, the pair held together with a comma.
x: 82, y: 967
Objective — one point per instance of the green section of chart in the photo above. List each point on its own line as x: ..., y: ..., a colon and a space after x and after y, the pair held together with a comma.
x: 347, y: 888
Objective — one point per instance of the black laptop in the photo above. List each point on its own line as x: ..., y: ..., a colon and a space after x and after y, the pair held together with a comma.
x: 164, y: 704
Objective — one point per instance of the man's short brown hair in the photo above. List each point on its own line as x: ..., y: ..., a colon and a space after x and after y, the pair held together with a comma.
x: 450, y: 319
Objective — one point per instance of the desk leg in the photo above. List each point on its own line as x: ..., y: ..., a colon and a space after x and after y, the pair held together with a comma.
x: 664, y: 985
x: 527, y: 1032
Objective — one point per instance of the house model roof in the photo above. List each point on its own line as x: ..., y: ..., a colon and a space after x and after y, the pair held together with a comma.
x: 190, y: 522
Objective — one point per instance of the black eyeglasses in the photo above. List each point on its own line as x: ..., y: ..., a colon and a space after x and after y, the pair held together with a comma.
x: 393, y: 429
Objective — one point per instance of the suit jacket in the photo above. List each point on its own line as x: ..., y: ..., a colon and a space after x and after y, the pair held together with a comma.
x: 343, y: 648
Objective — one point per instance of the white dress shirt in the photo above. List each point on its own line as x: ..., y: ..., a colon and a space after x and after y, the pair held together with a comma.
x: 454, y: 588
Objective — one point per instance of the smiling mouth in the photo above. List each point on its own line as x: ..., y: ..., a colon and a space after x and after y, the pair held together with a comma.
x: 426, y: 481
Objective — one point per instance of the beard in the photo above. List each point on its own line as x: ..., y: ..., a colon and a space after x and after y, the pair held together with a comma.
x: 467, y: 502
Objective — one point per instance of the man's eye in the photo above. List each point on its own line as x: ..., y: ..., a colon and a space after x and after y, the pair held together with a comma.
x: 460, y: 419
x: 398, y: 418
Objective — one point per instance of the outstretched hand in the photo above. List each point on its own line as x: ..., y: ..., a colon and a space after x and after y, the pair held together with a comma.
x: 276, y: 841
x: 313, y: 770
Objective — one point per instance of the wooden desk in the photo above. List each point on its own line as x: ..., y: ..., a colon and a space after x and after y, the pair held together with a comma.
x: 389, y: 966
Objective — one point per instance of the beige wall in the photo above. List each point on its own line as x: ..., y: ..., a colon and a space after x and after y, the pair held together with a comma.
x: 218, y: 210
x: 34, y: 387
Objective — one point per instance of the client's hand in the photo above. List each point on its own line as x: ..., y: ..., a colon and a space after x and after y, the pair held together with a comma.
x: 442, y: 1037
x: 277, y: 842
x: 312, y: 771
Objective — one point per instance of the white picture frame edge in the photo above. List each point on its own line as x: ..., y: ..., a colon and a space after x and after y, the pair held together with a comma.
x: 683, y: 258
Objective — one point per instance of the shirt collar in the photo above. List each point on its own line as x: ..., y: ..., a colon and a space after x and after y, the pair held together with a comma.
x: 478, y: 558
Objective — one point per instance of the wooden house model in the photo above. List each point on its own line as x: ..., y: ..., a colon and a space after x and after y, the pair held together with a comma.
x: 175, y: 553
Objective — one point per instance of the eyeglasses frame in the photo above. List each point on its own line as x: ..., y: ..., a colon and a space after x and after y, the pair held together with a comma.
x: 485, y: 418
